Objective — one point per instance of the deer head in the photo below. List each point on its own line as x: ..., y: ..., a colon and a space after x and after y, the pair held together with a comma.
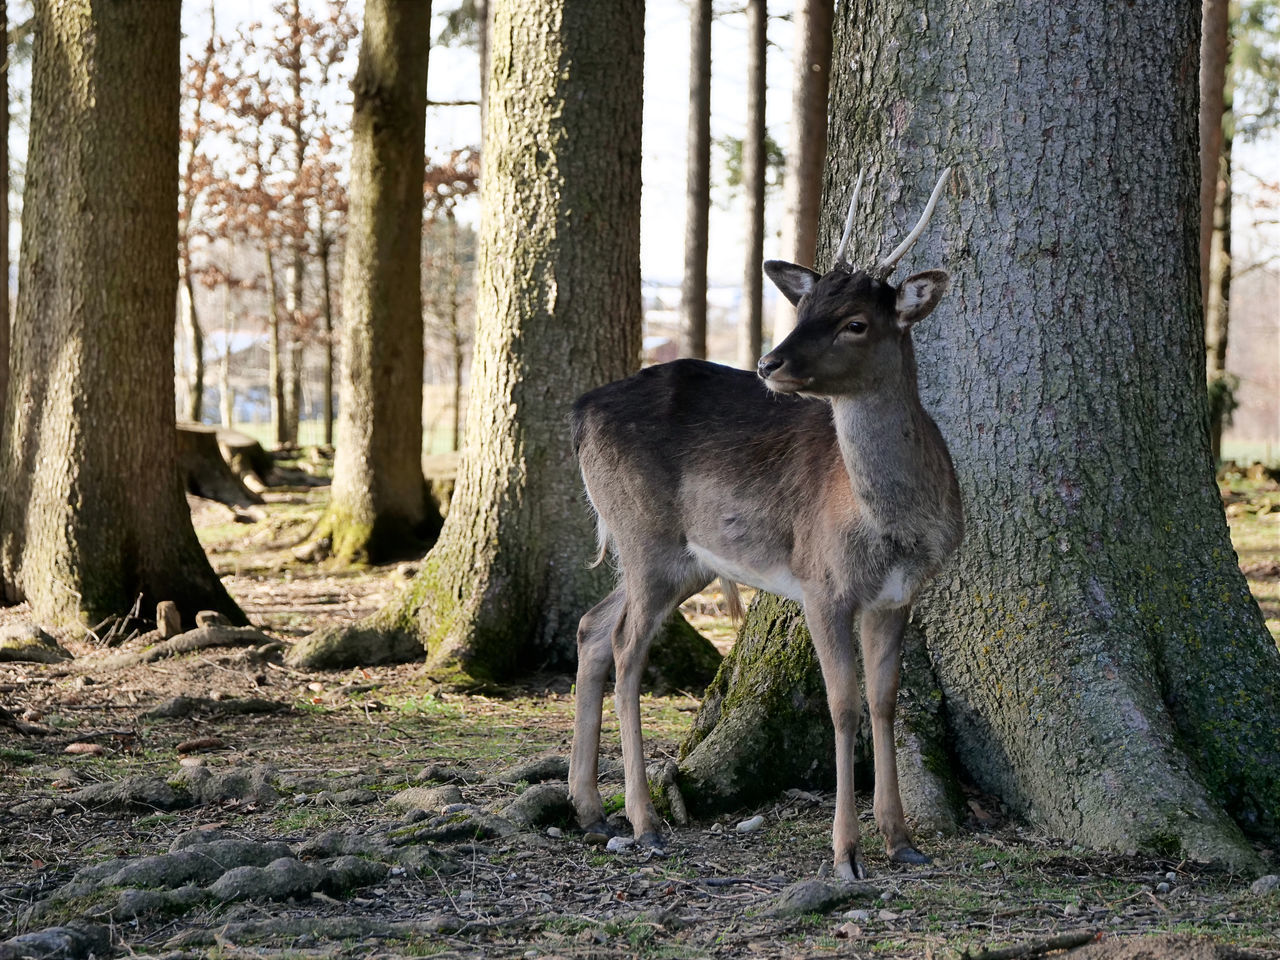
x: 851, y: 324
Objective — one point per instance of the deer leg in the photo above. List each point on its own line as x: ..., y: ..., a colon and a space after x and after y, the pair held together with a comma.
x: 644, y: 614
x: 832, y: 629
x: 882, y: 658
x: 595, y: 656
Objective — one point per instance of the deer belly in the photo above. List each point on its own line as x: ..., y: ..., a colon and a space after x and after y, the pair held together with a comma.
x: 776, y: 579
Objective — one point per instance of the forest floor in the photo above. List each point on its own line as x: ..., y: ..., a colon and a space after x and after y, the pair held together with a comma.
x: 281, y: 813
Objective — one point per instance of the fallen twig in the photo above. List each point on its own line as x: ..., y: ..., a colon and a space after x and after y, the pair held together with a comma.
x: 1035, y: 948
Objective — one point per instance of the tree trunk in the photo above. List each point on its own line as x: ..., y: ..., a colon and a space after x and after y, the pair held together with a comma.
x: 1102, y: 665
x: 293, y: 391
x: 751, y: 332
x: 1215, y: 55
x: 205, y: 469
x: 275, y: 373
x: 194, y: 411
x: 806, y: 146
x: 4, y: 209
x: 379, y: 507
x: 697, y: 202
x: 326, y: 251
x: 1218, y: 305
x: 504, y: 588
x: 92, y: 513
x: 484, y: 23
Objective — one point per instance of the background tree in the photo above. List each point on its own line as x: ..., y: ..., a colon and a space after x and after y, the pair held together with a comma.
x: 559, y: 313
x: 1214, y: 55
x: 378, y: 505
x: 697, y: 204
x: 806, y: 144
x: 753, y: 166
x: 1102, y: 665
x: 4, y: 208
x: 92, y: 513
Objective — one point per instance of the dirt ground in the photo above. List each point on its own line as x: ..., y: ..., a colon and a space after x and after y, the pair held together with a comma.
x: 379, y: 817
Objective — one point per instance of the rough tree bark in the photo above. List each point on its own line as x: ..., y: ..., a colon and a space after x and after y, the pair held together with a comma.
x: 751, y: 331
x: 1102, y: 665
x: 806, y: 145
x: 91, y: 510
x: 558, y: 313
x: 379, y: 506
x: 1217, y: 307
x: 697, y: 197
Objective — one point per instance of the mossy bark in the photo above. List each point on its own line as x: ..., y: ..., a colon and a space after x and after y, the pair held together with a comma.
x: 380, y: 508
x: 1103, y: 666
x: 92, y: 513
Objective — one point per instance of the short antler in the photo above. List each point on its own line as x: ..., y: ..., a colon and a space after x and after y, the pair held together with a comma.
x: 848, y: 220
x: 885, y: 266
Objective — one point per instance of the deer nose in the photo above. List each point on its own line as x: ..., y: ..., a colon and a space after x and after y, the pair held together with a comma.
x: 768, y: 365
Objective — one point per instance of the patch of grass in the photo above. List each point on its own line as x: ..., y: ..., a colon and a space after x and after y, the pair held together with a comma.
x: 16, y: 756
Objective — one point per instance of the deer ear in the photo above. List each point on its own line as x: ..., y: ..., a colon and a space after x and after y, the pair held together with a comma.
x: 793, y: 280
x: 919, y: 294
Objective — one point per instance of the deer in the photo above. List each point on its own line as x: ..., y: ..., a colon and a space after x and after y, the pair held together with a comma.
x: 819, y: 477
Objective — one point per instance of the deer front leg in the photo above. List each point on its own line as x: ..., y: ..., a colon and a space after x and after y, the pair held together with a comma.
x: 595, y: 655
x: 882, y: 658
x: 832, y: 629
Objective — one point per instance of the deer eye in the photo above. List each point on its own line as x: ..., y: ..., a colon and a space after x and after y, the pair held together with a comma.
x: 855, y: 326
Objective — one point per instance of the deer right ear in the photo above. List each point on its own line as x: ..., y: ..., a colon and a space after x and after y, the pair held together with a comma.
x: 793, y: 280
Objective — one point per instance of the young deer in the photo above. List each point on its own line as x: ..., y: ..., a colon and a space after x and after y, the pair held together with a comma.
x: 822, y: 479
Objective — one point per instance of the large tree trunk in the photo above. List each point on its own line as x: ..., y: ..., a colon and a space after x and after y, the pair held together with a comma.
x: 806, y: 146
x: 1102, y: 665
x: 559, y: 313
x: 697, y: 197
x: 91, y: 511
x: 1215, y: 55
x: 1217, y: 306
x: 753, y: 163
x: 379, y: 507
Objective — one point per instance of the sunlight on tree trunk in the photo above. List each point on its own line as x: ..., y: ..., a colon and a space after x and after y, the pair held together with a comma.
x: 806, y: 146
x: 697, y: 202
x: 92, y: 513
x: 1215, y: 58
x: 4, y: 210
x: 379, y: 506
x: 1102, y: 665
x: 750, y: 333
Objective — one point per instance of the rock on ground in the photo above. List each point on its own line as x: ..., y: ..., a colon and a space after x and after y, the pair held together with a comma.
x: 25, y: 642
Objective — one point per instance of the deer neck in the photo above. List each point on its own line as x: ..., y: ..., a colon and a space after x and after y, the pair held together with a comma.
x: 884, y: 441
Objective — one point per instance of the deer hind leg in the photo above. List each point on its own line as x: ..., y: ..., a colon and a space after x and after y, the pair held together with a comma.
x: 882, y: 658
x: 595, y: 656
x: 832, y: 628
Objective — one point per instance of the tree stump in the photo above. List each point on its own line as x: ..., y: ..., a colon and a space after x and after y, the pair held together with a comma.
x: 204, y: 470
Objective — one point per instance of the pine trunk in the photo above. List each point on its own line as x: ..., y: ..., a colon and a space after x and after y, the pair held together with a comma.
x: 806, y: 146
x: 753, y: 161
x: 1102, y: 665
x: 1218, y: 307
x: 697, y: 203
x: 92, y: 513
x: 1215, y: 55
x: 379, y: 507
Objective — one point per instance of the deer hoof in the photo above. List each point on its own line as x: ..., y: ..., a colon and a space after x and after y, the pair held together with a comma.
x: 851, y: 870
x: 910, y: 855
x: 651, y: 840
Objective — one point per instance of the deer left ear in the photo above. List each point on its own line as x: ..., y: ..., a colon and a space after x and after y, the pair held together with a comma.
x: 919, y: 294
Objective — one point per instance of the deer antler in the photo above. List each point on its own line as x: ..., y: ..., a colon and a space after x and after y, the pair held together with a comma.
x: 885, y: 266
x: 848, y: 220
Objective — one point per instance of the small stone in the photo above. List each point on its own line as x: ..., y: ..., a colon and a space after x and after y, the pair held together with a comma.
x: 848, y: 931
x: 820, y: 896
x: 211, y: 618
x: 751, y: 825
x: 594, y: 839
x: 466, y: 896
x: 861, y: 916
x: 543, y: 804
x: 887, y: 915
x: 555, y: 833
x: 1171, y: 877
x: 619, y: 844
x: 1162, y: 888
x: 168, y: 619
x: 192, y: 761
x: 1265, y: 885
x: 1071, y: 910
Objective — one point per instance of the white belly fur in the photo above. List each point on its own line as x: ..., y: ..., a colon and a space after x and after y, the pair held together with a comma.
x: 777, y: 580
x: 894, y: 592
